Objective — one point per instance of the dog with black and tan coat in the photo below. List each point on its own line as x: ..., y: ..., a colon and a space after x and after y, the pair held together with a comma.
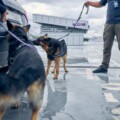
x: 26, y: 73
x: 55, y: 50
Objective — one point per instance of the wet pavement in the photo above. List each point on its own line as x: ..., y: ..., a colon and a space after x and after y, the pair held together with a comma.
x: 79, y: 94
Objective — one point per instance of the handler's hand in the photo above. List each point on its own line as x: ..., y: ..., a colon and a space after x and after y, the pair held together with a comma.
x: 87, y: 4
x: 4, y: 16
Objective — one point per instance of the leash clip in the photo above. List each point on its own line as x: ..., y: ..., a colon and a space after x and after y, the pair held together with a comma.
x: 87, y: 9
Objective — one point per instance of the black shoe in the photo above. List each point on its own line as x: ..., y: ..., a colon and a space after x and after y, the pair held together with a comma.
x: 100, y: 70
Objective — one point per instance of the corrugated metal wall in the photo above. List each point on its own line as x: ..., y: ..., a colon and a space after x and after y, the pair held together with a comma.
x: 50, y: 22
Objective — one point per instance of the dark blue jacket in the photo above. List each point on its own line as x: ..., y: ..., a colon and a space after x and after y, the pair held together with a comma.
x: 113, y: 13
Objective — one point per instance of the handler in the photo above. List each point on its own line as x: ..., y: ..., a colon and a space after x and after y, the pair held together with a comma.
x: 111, y: 29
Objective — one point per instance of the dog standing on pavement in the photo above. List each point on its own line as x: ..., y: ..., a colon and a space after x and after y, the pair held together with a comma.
x: 55, y: 51
x: 26, y: 73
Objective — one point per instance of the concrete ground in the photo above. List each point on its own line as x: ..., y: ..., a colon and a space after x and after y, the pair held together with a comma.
x: 79, y: 94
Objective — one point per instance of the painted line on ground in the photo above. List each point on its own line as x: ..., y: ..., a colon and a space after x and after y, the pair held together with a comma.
x: 110, y: 98
x: 111, y: 86
x: 89, y: 74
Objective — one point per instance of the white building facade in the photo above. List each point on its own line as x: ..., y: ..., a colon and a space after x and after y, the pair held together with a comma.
x: 58, y: 27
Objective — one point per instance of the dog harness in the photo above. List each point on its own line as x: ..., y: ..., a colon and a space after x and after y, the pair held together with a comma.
x: 11, y: 57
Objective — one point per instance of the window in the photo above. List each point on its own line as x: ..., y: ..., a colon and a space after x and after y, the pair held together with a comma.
x: 15, y: 17
x: 25, y: 22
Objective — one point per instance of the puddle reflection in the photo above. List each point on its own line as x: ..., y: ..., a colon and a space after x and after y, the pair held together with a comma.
x: 56, y: 99
x: 104, y: 78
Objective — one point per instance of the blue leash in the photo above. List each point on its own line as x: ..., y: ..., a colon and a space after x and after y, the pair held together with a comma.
x: 76, y: 21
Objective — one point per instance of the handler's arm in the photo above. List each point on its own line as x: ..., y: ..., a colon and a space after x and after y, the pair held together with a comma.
x: 96, y: 4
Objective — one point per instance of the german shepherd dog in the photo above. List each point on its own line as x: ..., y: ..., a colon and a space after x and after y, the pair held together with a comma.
x: 52, y: 48
x: 26, y: 73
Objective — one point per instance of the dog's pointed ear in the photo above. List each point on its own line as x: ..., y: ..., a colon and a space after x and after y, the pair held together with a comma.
x: 26, y: 28
x: 10, y: 25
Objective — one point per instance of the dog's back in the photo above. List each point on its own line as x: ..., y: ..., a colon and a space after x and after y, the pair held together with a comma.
x: 27, y: 65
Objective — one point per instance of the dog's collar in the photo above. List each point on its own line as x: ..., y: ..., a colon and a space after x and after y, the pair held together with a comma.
x: 21, y: 44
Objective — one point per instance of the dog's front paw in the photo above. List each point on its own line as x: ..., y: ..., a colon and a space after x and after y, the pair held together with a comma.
x: 52, y: 71
x: 66, y: 71
x: 55, y: 78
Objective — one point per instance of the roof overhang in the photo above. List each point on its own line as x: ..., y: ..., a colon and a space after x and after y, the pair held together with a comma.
x: 58, y: 21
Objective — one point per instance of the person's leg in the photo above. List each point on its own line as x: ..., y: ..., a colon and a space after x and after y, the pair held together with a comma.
x: 117, y: 33
x: 108, y: 37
